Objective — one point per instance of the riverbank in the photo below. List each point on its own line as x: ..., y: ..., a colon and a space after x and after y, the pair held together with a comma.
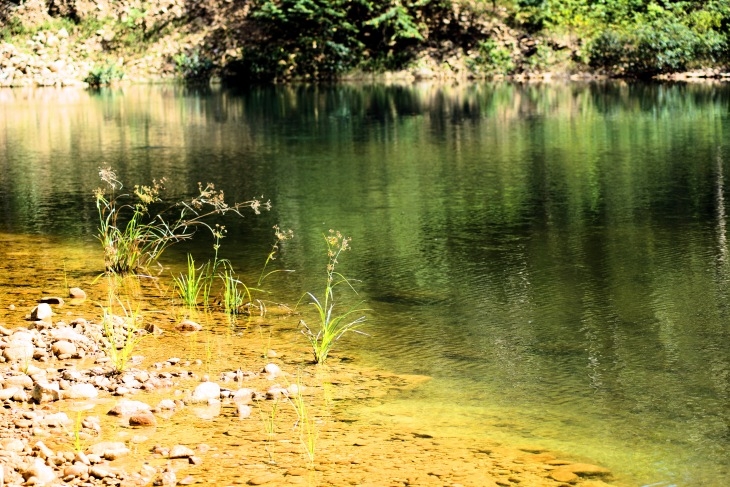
x: 215, y: 406
x: 93, y: 43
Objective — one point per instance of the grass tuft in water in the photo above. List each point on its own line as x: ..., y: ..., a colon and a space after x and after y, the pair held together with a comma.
x: 136, y: 228
x: 122, y: 332
x: 308, y: 433
x: 332, y: 326
x: 189, y: 286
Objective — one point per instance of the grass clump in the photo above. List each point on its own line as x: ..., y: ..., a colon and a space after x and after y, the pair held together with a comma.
x: 104, y: 75
x: 136, y: 228
x: 190, y: 285
x: 308, y: 433
x: 122, y: 332
x: 331, y: 325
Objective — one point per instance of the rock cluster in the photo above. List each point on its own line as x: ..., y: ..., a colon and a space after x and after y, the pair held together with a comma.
x: 44, y: 364
x: 67, y: 56
x: 52, y: 371
x: 48, y: 59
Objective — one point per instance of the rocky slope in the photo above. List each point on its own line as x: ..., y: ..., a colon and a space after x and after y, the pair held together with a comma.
x: 74, y: 42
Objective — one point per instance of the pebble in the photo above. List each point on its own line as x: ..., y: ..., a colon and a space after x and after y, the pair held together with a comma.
x: 41, y: 312
x: 272, y: 370
x: 127, y: 407
x: 143, y: 419
x: 262, y: 479
x: 188, y: 325
x: 181, y: 451
x: 206, y: 391
x: 77, y: 293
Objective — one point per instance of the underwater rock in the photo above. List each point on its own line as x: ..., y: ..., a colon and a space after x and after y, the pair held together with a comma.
x: 276, y: 391
x: 77, y: 293
x: 143, y: 418
x: 81, y: 390
x: 587, y: 470
x: 126, y: 407
x: 109, y: 449
x: 563, y: 475
x: 181, y: 451
x: 205, y: 391
x: 243, y: 396
x: 244, y: 410
x: 188, y: 325
x: 265, y: 478
x: 272, y: 370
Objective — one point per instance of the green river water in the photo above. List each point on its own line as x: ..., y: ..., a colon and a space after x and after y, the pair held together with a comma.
x: 554, y: 256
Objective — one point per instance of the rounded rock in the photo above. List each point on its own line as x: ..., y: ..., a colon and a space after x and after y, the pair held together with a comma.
x: 272, y: 370
x: 63, y: 348
x: 143, y: 418
x: 81, y: 390
x: 205, y: 391
x: 42, y: 312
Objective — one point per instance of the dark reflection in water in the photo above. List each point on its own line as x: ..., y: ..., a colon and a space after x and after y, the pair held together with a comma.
x: 555, y: 256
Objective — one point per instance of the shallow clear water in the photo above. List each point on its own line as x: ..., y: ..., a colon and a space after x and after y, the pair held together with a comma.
x: 554, y: 256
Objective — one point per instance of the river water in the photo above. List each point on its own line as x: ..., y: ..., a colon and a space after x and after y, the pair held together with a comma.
x: 554, y: 256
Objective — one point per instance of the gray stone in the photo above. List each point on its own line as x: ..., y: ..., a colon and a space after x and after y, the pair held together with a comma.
x: 21, y: 380
x: 78, y: 469
x: 8, y: 393
x: 40, y: 472
x: 100, y: 472
x: 45, y: 392
x: 109, y: 449
x: 56, y: 420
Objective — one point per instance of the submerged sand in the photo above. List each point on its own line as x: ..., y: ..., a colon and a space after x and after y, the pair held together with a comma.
x: 332, y: 441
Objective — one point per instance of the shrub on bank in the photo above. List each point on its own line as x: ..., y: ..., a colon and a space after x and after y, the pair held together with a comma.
x: 646, y: 50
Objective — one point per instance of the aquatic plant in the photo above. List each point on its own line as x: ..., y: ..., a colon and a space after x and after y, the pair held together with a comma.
x: 134, y: 234
x: 281, y: 236
x: 78, y: 442
x: 308, y: 433
x: 269, y: 421
x: 332, y: 326
x: 190, y: 285
x: 234, y: 292
x: 237, y: 297
x: 122, y: 332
